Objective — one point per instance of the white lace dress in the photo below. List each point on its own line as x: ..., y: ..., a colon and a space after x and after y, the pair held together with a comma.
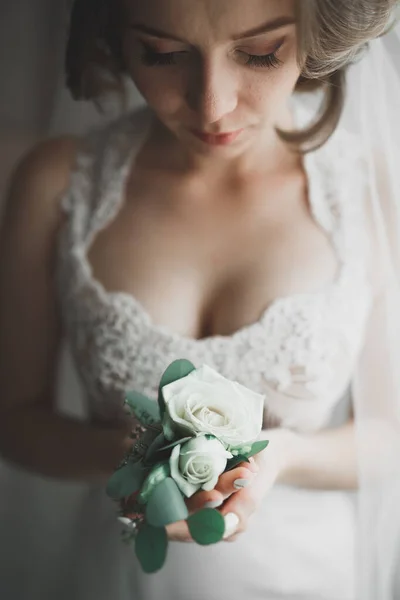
x: 300, y: 354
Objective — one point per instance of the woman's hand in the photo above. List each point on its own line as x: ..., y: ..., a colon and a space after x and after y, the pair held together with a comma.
x: 229, y: 483
x: 239, y: 492
x: 272, y: 463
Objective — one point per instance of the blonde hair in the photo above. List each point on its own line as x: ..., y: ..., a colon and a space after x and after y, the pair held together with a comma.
x: 332, y: 34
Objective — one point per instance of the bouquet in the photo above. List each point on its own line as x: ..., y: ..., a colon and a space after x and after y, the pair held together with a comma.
x: 202, y: 426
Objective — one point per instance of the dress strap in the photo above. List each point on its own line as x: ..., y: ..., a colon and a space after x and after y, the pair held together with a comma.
x: 95, y: 195
x: 339, y: 187
x: 102, y: 165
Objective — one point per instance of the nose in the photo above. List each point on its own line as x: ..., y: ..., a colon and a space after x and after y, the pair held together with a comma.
x: 213, y: 92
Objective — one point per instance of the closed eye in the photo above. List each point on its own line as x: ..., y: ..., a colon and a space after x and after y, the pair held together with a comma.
x: 152, y: 58
x: 265, y: 60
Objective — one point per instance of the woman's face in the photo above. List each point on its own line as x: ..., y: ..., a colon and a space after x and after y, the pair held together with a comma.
x: 213, y: 67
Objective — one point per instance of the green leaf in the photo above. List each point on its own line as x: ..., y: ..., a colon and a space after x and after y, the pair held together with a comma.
x: 235, y: 461
x: 154, y: 478
x: 151, y: 547
x: 125, y: 481
x: 167, y: 425
x: 166, y: 505
x: 144, y: 409
x: 257, y: 447
x: 177, y: 370
x: 173, y: 444
x: 206, y: 526
x: 154, y: 448
x: 243, y: 450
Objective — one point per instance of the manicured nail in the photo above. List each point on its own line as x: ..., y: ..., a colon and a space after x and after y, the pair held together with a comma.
x: 239, y: 484
x: 213, y: 504
x: 231, y: 523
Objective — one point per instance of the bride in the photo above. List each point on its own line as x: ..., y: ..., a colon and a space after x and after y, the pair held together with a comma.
x: 224, y: 223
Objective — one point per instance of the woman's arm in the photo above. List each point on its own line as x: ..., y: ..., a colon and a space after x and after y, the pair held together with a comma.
x: 37, y: 439
x: 323, y: 460
x: 320, y: 461
x: 32, y: 435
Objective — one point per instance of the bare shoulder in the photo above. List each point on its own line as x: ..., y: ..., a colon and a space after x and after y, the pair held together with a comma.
x: 33, y: 214
x: 41, y: 177
x: 29, y: 322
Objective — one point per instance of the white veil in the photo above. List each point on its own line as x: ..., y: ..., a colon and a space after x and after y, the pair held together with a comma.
x: 372, y: 112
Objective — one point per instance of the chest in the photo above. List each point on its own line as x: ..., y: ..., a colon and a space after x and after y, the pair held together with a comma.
x: 206, y: 260
x: 197, y: 262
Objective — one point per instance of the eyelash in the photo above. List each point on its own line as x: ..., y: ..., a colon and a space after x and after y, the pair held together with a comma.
x: 271, y: 61
x: 156, y: 59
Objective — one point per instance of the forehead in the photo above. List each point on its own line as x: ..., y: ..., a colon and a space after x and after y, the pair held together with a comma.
x: 211, y: 20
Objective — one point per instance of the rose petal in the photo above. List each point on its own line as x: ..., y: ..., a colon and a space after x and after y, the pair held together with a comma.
x: 210, y: 485
x: 187, y: 488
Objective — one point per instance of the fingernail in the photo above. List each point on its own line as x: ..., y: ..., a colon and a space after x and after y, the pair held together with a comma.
x: 213, y: 504
x: 231, y: 523
x: 239, y: 484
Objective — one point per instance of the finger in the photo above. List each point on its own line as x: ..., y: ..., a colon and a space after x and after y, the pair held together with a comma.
x: 213, y: 499
x: 242, y: 506
x: 228, y: 483
x: 179, y: 532
x: 237, y: 479
x: 231, y: 538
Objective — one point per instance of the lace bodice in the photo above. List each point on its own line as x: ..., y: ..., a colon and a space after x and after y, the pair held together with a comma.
x: 301, y: 352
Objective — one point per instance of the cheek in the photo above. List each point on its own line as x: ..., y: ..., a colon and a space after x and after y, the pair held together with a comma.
x: 162, y: 90
x: 269, y: 90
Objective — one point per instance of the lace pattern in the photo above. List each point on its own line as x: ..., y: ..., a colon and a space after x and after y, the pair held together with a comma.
x: 302, y: 350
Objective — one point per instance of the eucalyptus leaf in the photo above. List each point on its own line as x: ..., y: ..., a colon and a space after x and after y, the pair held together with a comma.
x: 154, y: 448
x: 243, y: 450
x: 257, y: 447
x: 151, y: 546
x: 125, y: 481
x: 235, y: 461
x: 166, y: 505
x: 206, y: 526
x: 167, y: 426
x: 157, y: 474
x: 144, y: 409
x: 173, y: 444
x: 177, y: 370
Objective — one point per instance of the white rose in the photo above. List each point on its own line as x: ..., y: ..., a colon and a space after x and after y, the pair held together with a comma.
x: 206, y: 402
x: 198, y: 464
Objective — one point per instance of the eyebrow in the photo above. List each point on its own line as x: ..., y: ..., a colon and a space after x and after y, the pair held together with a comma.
x: 265, y: 28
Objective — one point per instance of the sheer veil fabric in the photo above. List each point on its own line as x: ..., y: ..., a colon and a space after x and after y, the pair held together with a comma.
x: 372, y: 112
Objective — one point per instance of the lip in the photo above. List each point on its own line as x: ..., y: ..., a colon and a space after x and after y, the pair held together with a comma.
x: 222, y: 139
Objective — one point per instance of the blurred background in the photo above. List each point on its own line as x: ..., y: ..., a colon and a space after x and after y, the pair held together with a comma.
x: 33, y: 100
x: 34, y: 104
